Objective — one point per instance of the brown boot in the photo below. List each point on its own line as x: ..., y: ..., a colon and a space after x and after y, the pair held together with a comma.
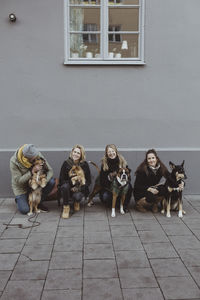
x: 142, y: 205
x: 66, y: 210
x: 155, y: 208
x: 156, y: 203
x: 76, y: 206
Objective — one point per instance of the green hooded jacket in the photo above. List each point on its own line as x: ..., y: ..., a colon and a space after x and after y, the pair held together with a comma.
x: 20, y: 175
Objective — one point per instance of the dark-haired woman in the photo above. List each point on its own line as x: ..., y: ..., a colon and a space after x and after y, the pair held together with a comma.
x: 112, y: 161
x: 146, y: 191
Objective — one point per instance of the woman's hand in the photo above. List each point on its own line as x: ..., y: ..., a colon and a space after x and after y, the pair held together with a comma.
x: 181, y: 186
x: 152, y: 190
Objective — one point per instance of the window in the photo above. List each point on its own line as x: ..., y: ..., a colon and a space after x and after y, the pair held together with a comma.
x: 104, y: 31
x: 114, y: 37
x: 89, y: 38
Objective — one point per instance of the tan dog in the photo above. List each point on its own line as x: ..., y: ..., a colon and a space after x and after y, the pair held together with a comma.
x: 77, y: 178
x: 36, y: 183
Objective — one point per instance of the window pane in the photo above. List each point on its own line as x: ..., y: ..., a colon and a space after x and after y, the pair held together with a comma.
x: 80, y: 17
x: 90, y: 2
x: 126, y: 47
x: 123, y: 2
x: 126, y: 18
x: 85, y: 45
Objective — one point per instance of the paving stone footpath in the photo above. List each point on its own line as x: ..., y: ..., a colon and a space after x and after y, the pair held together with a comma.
x: 92, y: 256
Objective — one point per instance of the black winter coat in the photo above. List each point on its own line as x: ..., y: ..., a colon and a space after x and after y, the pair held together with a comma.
x: 64, y: 174
x: 144, y: 180
x: 113, y: 166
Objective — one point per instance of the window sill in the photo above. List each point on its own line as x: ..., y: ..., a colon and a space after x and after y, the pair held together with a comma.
x: 103, y: 62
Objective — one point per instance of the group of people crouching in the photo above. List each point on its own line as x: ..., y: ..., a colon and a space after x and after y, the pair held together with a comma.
x: 148, y: 175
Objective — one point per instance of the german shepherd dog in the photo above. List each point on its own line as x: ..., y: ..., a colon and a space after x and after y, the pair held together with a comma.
x: 37, y: 182
x: 174, y: 186
x: 77, y: 178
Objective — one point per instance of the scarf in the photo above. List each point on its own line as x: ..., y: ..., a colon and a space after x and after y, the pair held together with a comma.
x: 22, y: 159
x: 154, y: 169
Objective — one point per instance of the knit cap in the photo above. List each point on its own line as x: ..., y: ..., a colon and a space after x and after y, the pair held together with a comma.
x: 30, y: 151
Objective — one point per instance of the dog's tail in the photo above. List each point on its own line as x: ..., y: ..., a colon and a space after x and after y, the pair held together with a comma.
x: 95, y: 165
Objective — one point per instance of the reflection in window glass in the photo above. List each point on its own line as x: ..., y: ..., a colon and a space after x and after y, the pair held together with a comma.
x: 90, y: 2
x: 115, y: 37
x: 123, y: 2
x: 128, y: 18
x: 126, y: 48
x: 81, y: 16
x: 84, y: 45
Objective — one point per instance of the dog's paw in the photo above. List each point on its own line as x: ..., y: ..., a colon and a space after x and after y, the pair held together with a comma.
x: 184, y: 212
x: 38, y: 211
x: 122, y: 211
x: 29, y: 214
x: 162, y: 211
x: 90, y: 203
x: 180, y: 214
x: 168, y: 215
x: 113, y: 213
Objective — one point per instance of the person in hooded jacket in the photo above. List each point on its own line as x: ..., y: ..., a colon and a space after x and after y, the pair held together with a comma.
x: 21, y: 171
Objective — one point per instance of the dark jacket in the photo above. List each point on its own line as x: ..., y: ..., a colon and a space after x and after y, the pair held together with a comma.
x: 144, y: 180
x: 113, y: 166
x: 64, y: 174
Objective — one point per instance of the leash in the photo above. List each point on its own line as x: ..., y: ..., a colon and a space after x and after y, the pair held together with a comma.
x: 34, y: 223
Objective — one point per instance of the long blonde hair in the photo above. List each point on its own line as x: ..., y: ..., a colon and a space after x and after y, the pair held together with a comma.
x: 83, y: 156
x: 122, y: 161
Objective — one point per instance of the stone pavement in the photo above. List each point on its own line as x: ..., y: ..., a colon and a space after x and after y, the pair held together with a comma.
x: 92, y: 256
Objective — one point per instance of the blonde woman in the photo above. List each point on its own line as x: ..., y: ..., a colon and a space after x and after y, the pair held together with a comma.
x: 112, y: 161
x: 76, y: 158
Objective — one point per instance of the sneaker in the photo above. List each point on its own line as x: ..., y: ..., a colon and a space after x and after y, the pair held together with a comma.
x: 42, y: 207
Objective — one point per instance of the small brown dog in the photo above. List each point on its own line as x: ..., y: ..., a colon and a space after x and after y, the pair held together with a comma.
x: 77, y: 178
x: 36, y: 183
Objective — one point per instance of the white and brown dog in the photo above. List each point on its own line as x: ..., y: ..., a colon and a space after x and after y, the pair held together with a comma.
x: 120, y: 186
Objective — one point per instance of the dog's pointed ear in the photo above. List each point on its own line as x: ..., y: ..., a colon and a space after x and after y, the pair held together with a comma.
x: 172, y: 166
x: 182, y: 163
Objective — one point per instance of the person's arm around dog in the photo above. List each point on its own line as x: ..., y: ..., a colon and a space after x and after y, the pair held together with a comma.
x: 21, y: 172
x: 148, y: 175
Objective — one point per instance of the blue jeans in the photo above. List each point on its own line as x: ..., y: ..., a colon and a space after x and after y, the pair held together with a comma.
x: 22, y: 200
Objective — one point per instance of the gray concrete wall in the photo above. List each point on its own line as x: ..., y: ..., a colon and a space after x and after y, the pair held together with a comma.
x: 56, y: 106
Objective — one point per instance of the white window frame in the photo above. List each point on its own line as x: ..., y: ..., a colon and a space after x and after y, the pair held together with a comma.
x: 105, y: 60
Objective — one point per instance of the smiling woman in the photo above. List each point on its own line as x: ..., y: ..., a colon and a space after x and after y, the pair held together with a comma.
x: 148, y: 176
x: 74, y: 180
